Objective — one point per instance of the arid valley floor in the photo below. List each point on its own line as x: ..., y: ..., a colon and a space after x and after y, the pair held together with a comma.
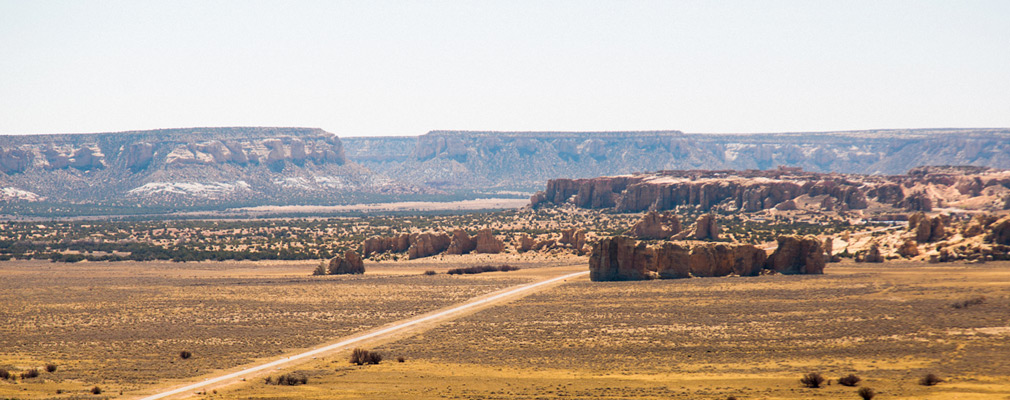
x: 121, y: 326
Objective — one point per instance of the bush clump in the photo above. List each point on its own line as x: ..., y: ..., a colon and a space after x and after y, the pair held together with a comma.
x: 362, y: 356
x: 850, y: 380
x: 866, y: 393
x: 50, y: 368
x: 96, y: 390
x: 974, y: 301
x: 812, y: 380
x: 481, y: 269
x: 32, y: 373
x: 5, y: 374
x: 287, y: 380
x: 430, y: 272
x: 185, y: 355
x: 930, y: 380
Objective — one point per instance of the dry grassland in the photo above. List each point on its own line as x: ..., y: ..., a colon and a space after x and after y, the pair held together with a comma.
x: 705, y: 338
x: 122, y: 325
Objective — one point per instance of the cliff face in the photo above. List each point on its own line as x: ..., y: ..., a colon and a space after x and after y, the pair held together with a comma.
x: 525, y: 160
x: 754, y: 190
x: 165, y: 166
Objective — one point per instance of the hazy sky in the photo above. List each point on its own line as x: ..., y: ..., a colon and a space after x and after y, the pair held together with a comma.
x: 403, y: 68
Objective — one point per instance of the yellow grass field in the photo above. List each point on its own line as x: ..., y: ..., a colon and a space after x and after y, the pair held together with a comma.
x: 705, y: 338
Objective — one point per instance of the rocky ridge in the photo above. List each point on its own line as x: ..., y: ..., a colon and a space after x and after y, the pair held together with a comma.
x: 753, y: 190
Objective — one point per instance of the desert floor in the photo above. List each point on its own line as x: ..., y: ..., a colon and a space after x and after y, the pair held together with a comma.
x: 121, y: 326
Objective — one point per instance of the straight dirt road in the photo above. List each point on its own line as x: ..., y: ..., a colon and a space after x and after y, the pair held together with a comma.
x: 385, y: 332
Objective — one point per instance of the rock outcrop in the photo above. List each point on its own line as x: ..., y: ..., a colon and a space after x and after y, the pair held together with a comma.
x: 461, y: 243
x: 525, y: 243
x: 908, y: 249
x: 654, y: 225
x: 350, y: 263
x: 487, y: 243
x: 621, y: 258
x: 797, y: 255
x: 575, y: 238
x: 705, y: 228
x: 391, y: 244
x: 999, y: 232
x: 927, y: 229
x: 870, y: 255
x: 427, y: 244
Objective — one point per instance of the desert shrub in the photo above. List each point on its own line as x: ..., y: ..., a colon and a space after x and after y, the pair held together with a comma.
x: 185, y: 355
x: 32, y: 373
x: 481, y: 269
x: 850, y: 380
x: 430, y: 272
x: 50, y: 368
x: 930, y: 380
x: 96, y: 390
x: 320, y: 269
x: 812, y: 380
x: 362, y: 356
x: 866, y: 393
x: 974, y: 301
x: 288, y: 380
x: 400, y: 359
x: 5, y: 374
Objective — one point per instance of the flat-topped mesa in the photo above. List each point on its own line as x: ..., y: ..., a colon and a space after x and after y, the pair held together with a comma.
x: 784, y: 189
x: 624, y: 259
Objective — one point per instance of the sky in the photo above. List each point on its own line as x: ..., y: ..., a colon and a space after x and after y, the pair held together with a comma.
x: 371, y: 68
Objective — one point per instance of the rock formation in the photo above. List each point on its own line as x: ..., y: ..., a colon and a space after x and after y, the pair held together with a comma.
x: 488, y: 243
x: 870, y: 255
x: 654, y: 225
x: 908, y: 249
x: 461, y: 243
x: 427, y: 244
x: 797, y: 255
x: 392, y: 244
x: 576, y: 238
x: 622, y: 258
x: 927, y: 229
x: 350, y: 263
x: 706, y: 228
x: 999, y: 232
x: 525, y: 243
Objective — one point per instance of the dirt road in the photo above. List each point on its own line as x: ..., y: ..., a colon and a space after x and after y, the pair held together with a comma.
x: 228, y: 378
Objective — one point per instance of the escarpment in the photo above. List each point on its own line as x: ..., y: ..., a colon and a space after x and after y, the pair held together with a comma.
x: 784, y: 189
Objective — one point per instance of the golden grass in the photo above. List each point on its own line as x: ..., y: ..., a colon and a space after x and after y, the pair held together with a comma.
x: 707, y: 338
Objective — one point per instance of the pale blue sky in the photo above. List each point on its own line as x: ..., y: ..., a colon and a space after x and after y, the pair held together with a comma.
x: 405, y: 67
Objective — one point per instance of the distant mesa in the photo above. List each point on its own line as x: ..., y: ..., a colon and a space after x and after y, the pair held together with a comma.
x: 783, y: 189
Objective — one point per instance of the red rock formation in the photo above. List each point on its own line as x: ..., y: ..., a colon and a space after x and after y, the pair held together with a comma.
x: 545, y: 244
x: 797, y: 255
x: 787, y: 205
x: 622, y: 258
x: 427, y: 244
x: 461, y: 243
x: 999, y: 232
x: 870, y: 255
x: 711, y: 259
x: 928, y: 229
x: 706, y: 228
x: 576, y: 238
x: 488, y: 243
x: 378, y: 244
x: 654, y: 225
x: 672, y: 261
x: 748, y: 260
x: 350, y: 263
x: 908, y: 249
x: 918, y: 201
